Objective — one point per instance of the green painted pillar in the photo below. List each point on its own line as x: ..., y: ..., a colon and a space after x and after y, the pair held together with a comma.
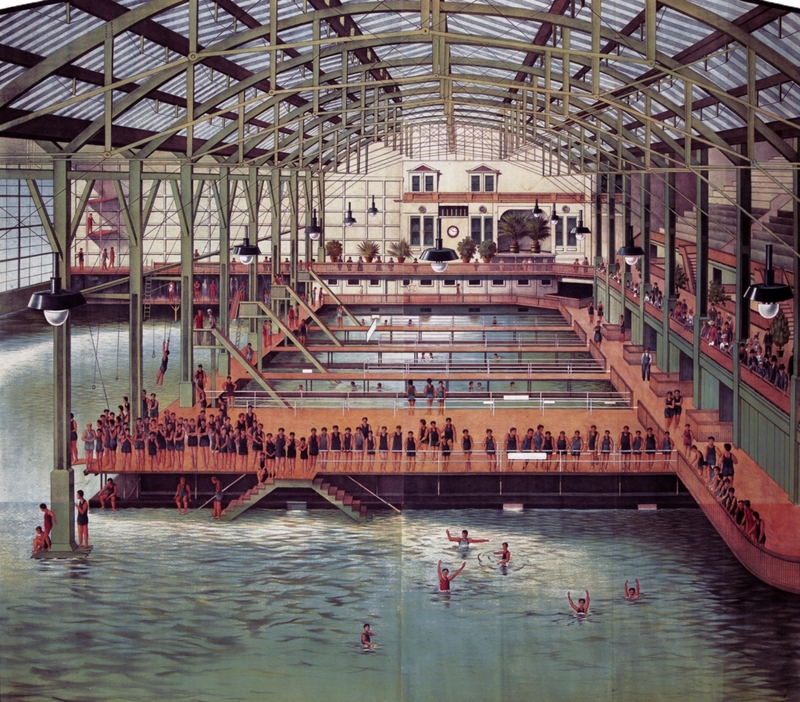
x: 612, y: 242
x: 666, y: 361
x: 599, y: 180
x: 224, y: 217
x: 701, y: 273
x: 294, y: 226
x: 62, y: 478
x: 644, y: 262
x: 744, y: 198
x: 183, y: 201
x: 626, y: 223
x: 136, y: 249
x: 276, y: 188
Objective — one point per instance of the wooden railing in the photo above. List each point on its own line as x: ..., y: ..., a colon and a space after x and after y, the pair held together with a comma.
x: 776, y: 569
x: 457, y: 269
x: 620, y: 384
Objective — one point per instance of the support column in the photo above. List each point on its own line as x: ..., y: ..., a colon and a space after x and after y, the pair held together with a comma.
x: 664, y: 361
x: 275, y: 187
x: 224, y: 217
x: 183, y: 195
x: 794, y: 380
x: 62, y: 478
x: 626, y: 223
x: 701, y: 273
x: 253, y: 204
x: 744, y: 197
x: 612, y: 245
x: 294, y: 227
x: 598, y: 230
x: 135, y: 302
x: 644, y: 262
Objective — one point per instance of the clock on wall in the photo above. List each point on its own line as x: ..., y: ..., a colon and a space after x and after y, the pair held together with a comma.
x: 452, y: 231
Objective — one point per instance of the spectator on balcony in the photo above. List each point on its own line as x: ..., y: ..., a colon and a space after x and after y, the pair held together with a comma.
x: 767, y: 343
x: 758, y: 531
x: 782, y: 378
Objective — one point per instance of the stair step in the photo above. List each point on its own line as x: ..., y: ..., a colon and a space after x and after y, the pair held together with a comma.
x: 355, y: 504
x: 332, y: 490
x: 318, y: 481
x: 324, y: 486
x: 340, y: 495
x: 347, y: 500
x: 363, y: 510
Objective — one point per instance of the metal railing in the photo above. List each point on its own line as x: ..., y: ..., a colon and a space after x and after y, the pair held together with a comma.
x: 446, y: 368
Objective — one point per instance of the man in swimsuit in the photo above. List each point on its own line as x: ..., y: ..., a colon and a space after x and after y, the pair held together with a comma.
x: 505, y: 555
x: 582, y: 608
x: 465, y: 539
x: 182, y: 496
x: 217, y: 496
x: 445, y: 577
x: 164, y: 361
x: 49, y: 522
x: 109, y: 492
x: 366, y: 641
x: 632, y: 593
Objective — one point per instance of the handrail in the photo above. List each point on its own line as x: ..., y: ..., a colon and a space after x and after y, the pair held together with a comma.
x: 374, y: 495
x: 223, y: 490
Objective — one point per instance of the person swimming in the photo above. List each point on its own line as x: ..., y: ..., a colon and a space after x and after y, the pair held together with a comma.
x: 505, y: 555
x: 445, y: 577
x: 465, y: 539
x: 632, y: 593
x: 582, y: 608
x: 366, y: 637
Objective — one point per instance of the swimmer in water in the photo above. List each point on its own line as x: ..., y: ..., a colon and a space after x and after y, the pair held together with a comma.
x: 632, y: 593
x: 366, y: 635
x: 505, y: 555
x: 465, y: 539
x: 582, y: 608
x: 445, y: 577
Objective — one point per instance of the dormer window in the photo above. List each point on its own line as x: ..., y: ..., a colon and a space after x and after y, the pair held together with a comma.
x: 423, y: 179
x: 483, y: 180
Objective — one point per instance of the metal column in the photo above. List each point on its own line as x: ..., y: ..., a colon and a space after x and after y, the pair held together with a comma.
x: 794, y: 380
x: 135, y: 302
x: 224, y: 208
x: 700, y: 273
x: 644, y: 261
x: 665, y: 362
x: 184, y: 200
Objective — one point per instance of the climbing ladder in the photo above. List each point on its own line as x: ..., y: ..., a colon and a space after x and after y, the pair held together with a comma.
x: 351, y: 506
x: 148, y: 295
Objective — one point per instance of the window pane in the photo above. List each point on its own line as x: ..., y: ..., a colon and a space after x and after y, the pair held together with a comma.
x: 427, y: 282
x: 428, y: 232
x: 428, y: 183
x: 415, y: 184
x: 475, y: 183
x: 475, y: 229
x: 560, y: 232
x: 489, y: 183
x: 415, y: 230
x: 488, y: 228
x: 572, y: 222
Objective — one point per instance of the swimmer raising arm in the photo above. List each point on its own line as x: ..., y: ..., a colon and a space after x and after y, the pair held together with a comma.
x: 445, y: 577
x: 505, y: 555
x: 465, y: 538
x: 366, y: 637
x: 583, y: 604
x: 630, y: 592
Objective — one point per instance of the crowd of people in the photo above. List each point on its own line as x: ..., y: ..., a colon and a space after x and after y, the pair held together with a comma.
x: 717, y: 468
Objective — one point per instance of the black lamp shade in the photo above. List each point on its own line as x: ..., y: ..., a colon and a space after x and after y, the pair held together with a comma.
x: 372, y: 210
x: 245, y: 249
x: 56, y: 299
x: 349, y: 221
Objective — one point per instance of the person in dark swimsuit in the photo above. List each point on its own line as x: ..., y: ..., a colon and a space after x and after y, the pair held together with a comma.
x: 632, y: 593
x: 582, y: 608
x: 182, y: 496
x: 466, y: 447
x: 444, y: 576
x: 561, y: 447
x: 383, y: 447
x: 241, y: 450
x: 636, y: 448
x: 366, y: 635
x: 547, y: 448
x: 606, y: 446
x: 217, y: 496
x: 164, y: 361
x: 490, y: 447
x: 109, y: 493
x: 336, y: 447
x: 411, y: 452
x: 280, y: 450
x: 669, y: 410
x: 313, y: 450
x: 397, y: 448
x: 411, y: 394
x: 512, y: 445
x: 650, y: 447
x: 505, y: 555
x: 625, y: 447
x: 269, y: 454
x: 592, y: 442
x: 82, y: 520
x: 576, y: 445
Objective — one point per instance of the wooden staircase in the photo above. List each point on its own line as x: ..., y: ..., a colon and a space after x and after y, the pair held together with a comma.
x: 351, y: 506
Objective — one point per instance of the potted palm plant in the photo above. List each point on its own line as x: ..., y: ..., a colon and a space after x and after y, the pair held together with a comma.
x: 466, y: 249
x: 487, y: 250
x: 401, y: 250
x: 538, y: 231
x: 368, y: 249
x: 513, y: 224
x: 333, y: 250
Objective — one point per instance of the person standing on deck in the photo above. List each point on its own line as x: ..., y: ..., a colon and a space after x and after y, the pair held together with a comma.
x: 49, y: 522
x: 112, y: 258
x: 89, y: 224
x: 81, y: 257
x: 82, y: 520
x: 182, y: 496
x: 647, y: 361
x: 217, y: 496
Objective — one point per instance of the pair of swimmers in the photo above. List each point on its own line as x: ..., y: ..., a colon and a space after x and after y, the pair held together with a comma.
x: 464, y: 541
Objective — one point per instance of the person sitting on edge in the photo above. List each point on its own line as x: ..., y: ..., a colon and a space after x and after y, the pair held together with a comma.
x: 445, y: 577
x: 109, y: 492
x: 505, y: 554
x: 582, y: 608
x: 39, y: 541
x: 465, y: 539
x: 366, y: 641
x: 631, y: 593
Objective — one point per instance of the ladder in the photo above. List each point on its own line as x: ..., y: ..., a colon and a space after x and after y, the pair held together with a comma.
x: 148, y: 293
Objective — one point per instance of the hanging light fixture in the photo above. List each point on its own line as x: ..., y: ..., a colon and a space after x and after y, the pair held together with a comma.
x: 768, y: 294
x: 349, y: 221
x: 439, y: 256
x: 246, y: 251
x: 554, y: 215
x: 580, y: 231
x: 631, y: 253
x: 372, y: 211
x: 56, y: 303
x: 537, y: 211
x: 313, y: 230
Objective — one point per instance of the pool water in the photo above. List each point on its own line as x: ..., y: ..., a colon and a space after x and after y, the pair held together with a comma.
x: 272, y: 606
